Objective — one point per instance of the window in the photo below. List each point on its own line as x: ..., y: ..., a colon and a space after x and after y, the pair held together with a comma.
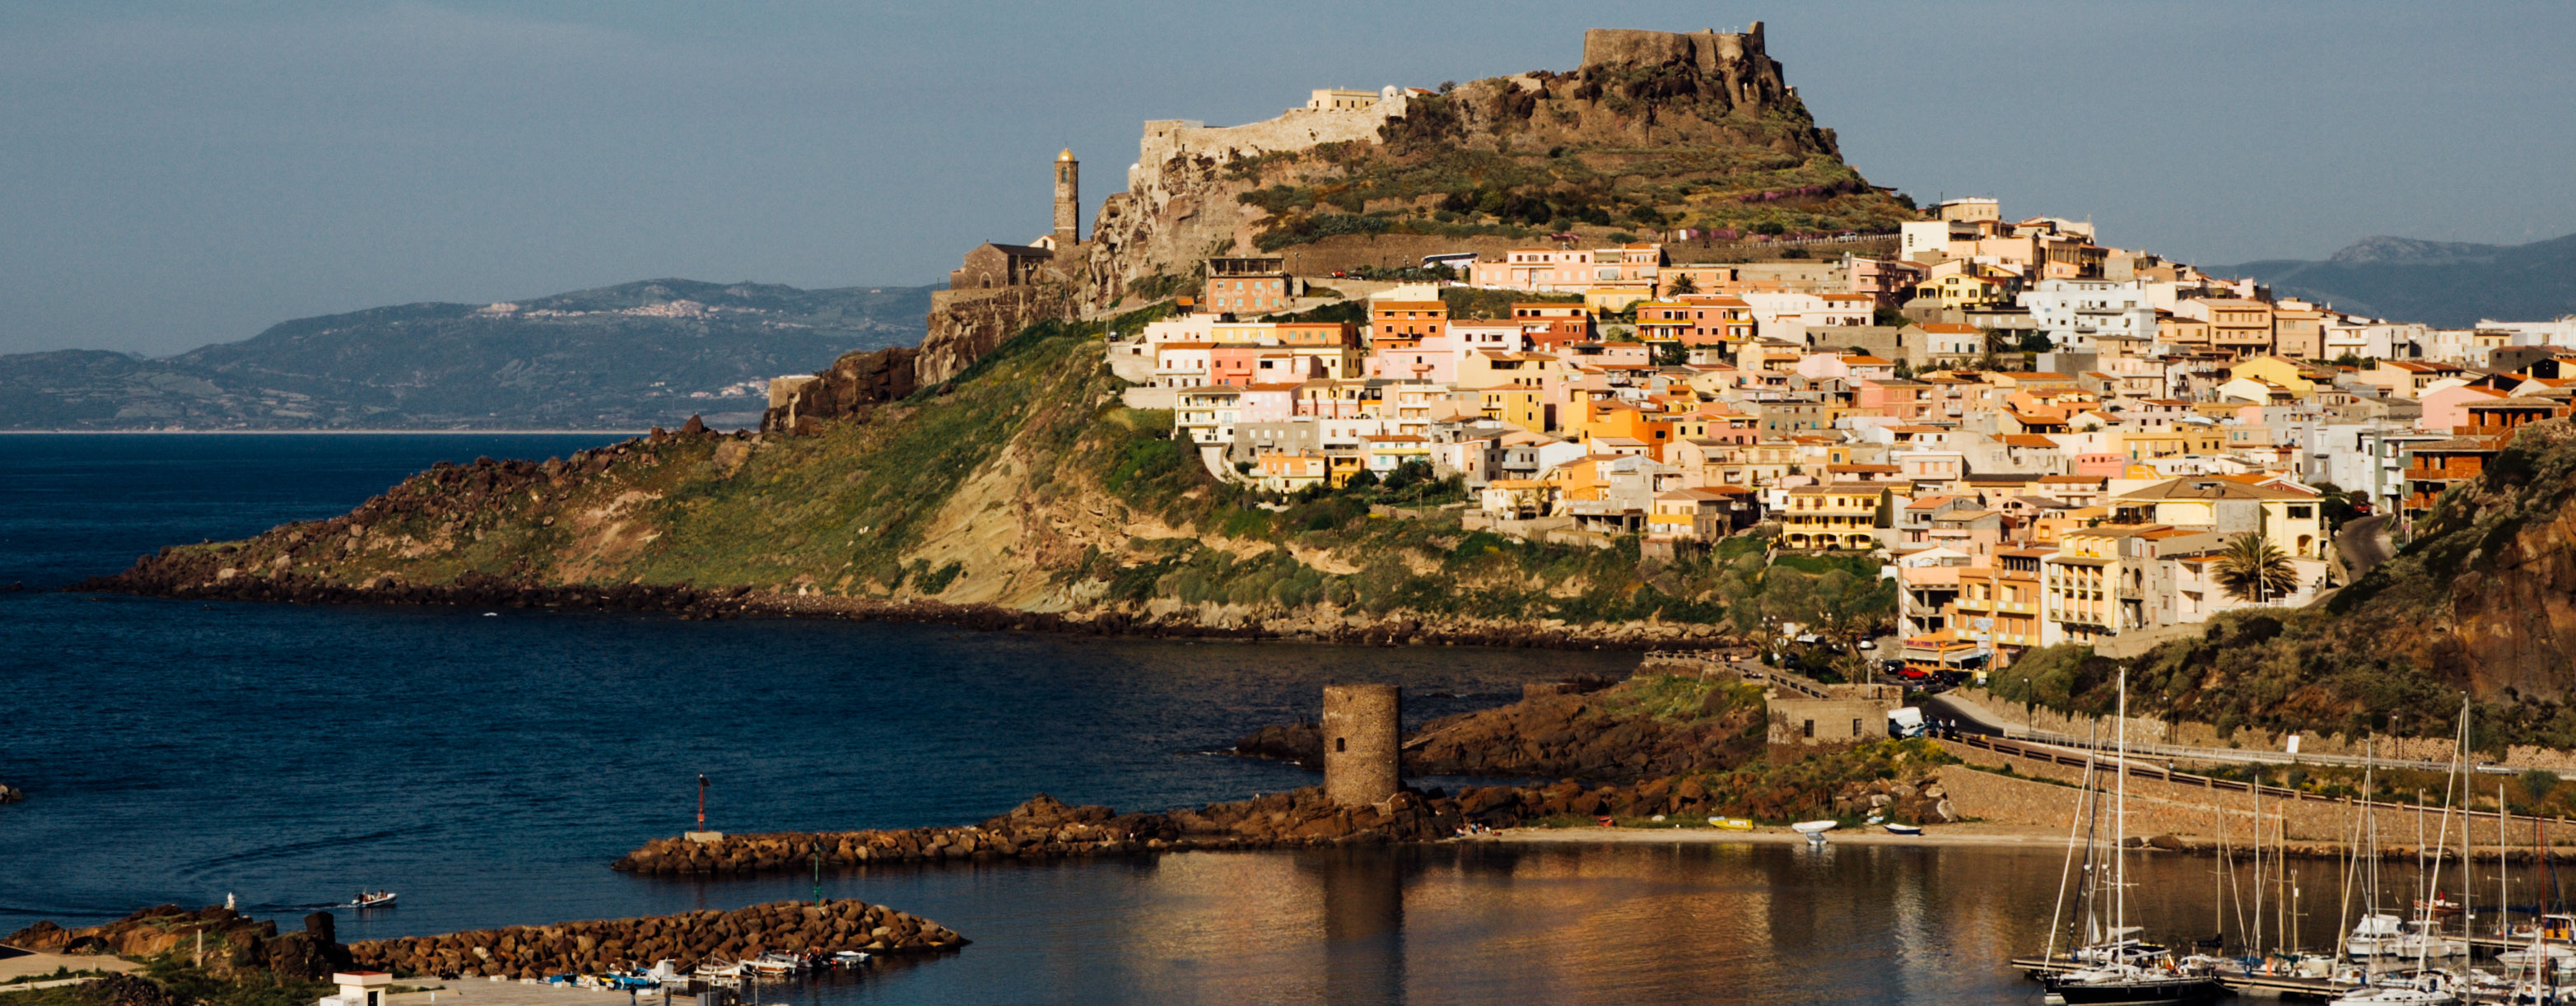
x: 1811, y: 728
x: 1341, y: 744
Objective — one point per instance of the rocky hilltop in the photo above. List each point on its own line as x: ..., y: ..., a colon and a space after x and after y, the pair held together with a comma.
x: 1652, y: 131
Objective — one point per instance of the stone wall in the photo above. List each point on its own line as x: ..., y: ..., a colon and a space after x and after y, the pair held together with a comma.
x: 2188, y: 734
x: 966, y: 324
x: 2187, y: 805
x: 801, y: 403
x: 1836, y: 720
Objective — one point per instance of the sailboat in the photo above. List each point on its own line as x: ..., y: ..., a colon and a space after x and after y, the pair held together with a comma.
x: 2125, y: 978
x: 2422, y: 937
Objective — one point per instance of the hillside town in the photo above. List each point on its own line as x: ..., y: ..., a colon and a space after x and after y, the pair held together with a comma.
x: 2045, y: 439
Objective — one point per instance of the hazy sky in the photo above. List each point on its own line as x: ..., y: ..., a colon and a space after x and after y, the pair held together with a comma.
x: 175, y: 175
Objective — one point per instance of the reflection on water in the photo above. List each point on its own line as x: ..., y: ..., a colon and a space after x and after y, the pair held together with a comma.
x: 1612, y: 922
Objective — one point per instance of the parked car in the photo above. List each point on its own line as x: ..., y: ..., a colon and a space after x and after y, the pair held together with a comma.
x: 1869, y: 644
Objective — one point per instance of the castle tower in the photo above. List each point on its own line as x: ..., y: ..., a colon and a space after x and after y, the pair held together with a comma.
x: 1068, y: 200
x: 1361, y: 735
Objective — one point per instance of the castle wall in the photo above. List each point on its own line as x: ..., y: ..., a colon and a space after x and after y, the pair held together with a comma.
x: 1294, y: 129
x: 1362, y: 726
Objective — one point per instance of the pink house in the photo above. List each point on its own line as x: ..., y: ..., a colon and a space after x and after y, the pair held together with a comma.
x: 1433, y: 359
x: 2448, y: 408
x: 2101, y: 466
x: 1267, y: 403
x: 1902, y: 400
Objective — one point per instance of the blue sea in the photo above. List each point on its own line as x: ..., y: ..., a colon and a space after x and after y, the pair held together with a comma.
x: 489, y: 764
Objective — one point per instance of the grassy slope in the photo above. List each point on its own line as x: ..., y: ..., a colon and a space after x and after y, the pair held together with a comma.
x: 1021, y: 483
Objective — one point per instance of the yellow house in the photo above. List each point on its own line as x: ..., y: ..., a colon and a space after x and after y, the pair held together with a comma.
x: 1282, y: 472
x: 1522, y: 407
x: 2290, y: 519
x: 2172, y: 442
x: 1962, y: 290
x: 2282, y: 372
x: 1836, y: 515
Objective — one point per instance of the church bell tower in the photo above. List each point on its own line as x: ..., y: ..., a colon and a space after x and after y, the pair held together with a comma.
x: 1068, y: 200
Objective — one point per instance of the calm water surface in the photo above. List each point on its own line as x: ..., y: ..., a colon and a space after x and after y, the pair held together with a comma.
x: 490, y: 765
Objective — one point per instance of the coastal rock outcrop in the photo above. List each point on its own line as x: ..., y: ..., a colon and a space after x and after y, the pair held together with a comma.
x: 1643, y: 728
x: 232, y: 946
x: 687, y: 939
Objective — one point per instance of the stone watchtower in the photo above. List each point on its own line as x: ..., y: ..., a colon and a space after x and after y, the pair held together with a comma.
x: 1361, y: 724
x: 1068, y: 200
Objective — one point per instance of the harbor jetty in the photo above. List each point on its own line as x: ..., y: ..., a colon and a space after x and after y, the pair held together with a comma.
x: 230, y: 946
x: 1045, y: 827
x: 688, y: 939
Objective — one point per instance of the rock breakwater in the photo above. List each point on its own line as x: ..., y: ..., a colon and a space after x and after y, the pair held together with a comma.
x: 1045, y: 827
x: 688, y: 939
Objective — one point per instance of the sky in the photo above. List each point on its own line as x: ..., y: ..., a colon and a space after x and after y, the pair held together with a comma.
x: 174, y: 175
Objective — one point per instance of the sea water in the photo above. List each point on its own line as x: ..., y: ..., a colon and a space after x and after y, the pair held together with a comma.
x: 489, y: 764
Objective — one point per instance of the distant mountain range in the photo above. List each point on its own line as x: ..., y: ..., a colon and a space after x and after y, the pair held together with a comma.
x: 2442, y: 283
x: 621, y: 357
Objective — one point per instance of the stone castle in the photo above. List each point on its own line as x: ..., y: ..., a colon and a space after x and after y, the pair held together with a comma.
x: 1181, y: 204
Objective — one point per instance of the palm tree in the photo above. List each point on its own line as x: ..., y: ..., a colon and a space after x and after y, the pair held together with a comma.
x: 2254, y: 569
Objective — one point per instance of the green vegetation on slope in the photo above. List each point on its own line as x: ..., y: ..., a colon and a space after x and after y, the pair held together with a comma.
x: 1023, y: 482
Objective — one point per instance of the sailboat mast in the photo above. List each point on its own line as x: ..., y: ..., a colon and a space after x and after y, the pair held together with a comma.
x: 2120, y: 828
x: 2074, y: 827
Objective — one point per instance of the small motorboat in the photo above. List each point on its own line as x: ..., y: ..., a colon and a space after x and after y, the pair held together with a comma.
x: 1731, y: 823
x: 775, y: 963
x: 372, y: 899
x: 1894, y: 828
x: 849, y: 958
x: 1815, y: 830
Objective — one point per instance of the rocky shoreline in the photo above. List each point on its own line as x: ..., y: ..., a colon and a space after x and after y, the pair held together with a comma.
x: 687, y: 939
x: 188, y: 576
x: 1046, y: 828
